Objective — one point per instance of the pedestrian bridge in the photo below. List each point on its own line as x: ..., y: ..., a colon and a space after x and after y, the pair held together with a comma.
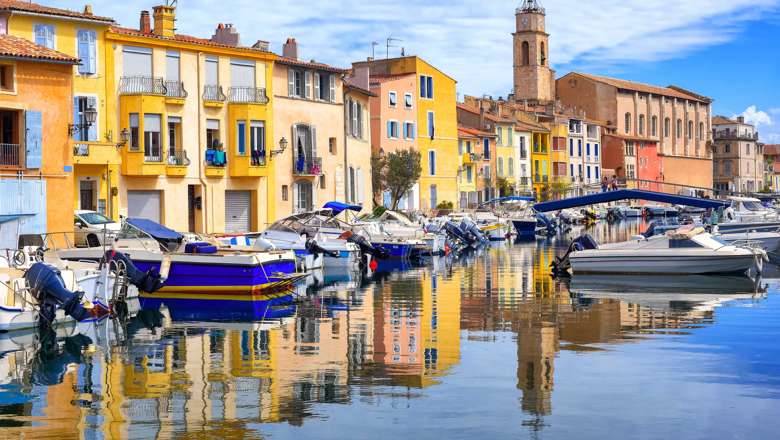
x: 629, y: 194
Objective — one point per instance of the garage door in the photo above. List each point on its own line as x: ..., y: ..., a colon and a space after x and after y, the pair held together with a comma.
x: 144, y: 204
x: 237, y: 204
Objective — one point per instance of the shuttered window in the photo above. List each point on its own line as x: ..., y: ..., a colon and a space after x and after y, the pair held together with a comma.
x: 241, y: 137
x: 80, y: 106
x: 44, y: 35
x: 87, y: 48
x: 33, y: 124
x: 137, y: 61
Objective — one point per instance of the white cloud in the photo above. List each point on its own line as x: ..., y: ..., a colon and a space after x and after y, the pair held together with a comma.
x: 469, y: 39
x: 767, y: 126
x: 756, y: 117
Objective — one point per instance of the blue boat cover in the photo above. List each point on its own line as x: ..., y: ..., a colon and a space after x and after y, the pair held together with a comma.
x: 630, y: 194
x: 339, y: 207
x: 156, y: 230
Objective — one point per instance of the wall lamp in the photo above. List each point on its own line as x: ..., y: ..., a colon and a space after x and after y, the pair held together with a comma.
x: 282, y: 146
x: 90, y: 116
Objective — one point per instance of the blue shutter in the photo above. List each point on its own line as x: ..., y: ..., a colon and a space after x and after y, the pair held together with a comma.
x: 33, y: 122
x: 432, y: 163
x: 241, y: 138
x: 92, y: 36
x: 83, y: 51
x: 422, y: 86
x: 76, y: 115
x: 414, y: 130
x: 92, y: 134
x: 596, y: 149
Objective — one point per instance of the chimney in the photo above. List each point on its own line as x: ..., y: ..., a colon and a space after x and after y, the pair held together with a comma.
x: 145, y: 26
x: 360, y: 77
x: 164, y: 20
x: 290, y: 49
x: 261, y: 45
x: 741, y: 119
x: 87, y: 9
x: 226, y: 34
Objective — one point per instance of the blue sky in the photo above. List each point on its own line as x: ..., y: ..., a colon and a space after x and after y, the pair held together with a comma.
x: 725, y: 49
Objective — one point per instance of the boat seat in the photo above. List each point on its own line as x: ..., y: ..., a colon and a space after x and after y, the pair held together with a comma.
x: 200, y: 248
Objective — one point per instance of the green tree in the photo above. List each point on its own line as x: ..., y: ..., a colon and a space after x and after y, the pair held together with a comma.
x: 377, y: 168
x: 397, y: 173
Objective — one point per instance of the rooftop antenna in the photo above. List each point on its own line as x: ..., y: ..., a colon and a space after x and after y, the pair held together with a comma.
x: 171, y: 3
x: 374, y: 44
x: 390, y: 41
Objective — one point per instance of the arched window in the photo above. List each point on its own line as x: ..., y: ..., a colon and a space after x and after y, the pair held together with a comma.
x: 654, y: 126
x: 628, y: 123
x: 690, y: 129
x: 679, y: 129
x: 667, y: 127
x: 701, y: 131
x: 641, y: 124
x: 543, y: 54
x: 526, y: 54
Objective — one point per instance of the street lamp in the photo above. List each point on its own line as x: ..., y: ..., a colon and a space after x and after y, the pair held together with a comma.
x: 124, y: 138
x: 282, y: 147
x: 90, y: 116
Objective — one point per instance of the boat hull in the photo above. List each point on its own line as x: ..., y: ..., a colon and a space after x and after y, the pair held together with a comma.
x: 525, y: 228
x: 660, y: 263
x: 225, y: 308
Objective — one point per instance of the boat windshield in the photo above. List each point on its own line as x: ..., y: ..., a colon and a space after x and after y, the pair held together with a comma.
x: 752, y: 206
x: 94, y: 218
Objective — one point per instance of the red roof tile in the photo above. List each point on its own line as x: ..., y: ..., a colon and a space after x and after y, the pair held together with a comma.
x: 23, y: 6
x: 776, y: 167
x: 473, y: 132
x: 181, y: 38
x: 772, y: 150
x: 674, y: 92
x: 311, y: 65
x: 15, y: 47
x: 722, y: 120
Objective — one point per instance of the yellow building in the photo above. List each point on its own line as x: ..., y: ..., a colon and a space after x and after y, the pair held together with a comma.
x: 541, y: 163
x: 199, y: 126
x: 81, y: 35
x: 560, y: 181
x: 437, y: 133
x: 470, y: 164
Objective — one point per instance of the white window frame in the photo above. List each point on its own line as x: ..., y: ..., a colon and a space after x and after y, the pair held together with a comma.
x: 392, y: 95
x: 411, y: 124
x: 396, y: 124
x: 408, y: 100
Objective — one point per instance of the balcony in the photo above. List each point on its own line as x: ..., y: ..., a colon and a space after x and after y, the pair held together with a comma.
x: 247, y: 95
x: 307, y: 167
x: 213, y: 96
x: 175, y: 93
x: 177, y: 163
x: 471, y: 158
x: 10, y: 156
x: 142, y: 85
x: 538, y: 178
x: 94, y: 153
x: 216, y: 161
x: 734, y: 135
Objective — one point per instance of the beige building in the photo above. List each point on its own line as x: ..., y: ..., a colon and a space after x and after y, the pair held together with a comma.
x: 676, y: 119
x: 534, y: 80
x: 739, y: 159
x: 357, y: 187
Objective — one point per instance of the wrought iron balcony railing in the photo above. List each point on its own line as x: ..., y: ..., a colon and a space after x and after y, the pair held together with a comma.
x: 175, y: 89
x: 213, y: 93
x: 10, y: 155
x: 251, y: 95
x: 311, y: 166
x: 142, y: 85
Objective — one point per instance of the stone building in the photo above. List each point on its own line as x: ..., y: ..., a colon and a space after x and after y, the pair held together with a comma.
x: 534, y: 80
x: 739, y: 159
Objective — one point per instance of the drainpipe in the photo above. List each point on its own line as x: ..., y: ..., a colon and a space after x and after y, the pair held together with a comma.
x: 345, y: 112
x: 201, y: 153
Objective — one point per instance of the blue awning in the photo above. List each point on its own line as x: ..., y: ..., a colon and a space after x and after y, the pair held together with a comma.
x: 339, y: 207
x: 156, y: 230
x: 629, y: 194
x: 5, y: 218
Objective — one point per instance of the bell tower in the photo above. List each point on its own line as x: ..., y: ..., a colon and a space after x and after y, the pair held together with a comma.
x: 534, y: 80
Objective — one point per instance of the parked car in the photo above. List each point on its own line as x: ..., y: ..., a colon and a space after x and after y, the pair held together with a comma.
x: 91, y: 227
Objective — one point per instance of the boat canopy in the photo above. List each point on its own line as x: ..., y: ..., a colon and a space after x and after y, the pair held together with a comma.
x: 153, y: 229
x: 509, y: 199
x: 339, y: 207
x: 630, y: 194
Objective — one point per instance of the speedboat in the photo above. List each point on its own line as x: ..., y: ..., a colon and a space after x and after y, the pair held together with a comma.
x: 660, y: 211
x: 570, y: 216
x: 392, y: 224
x: 769, y: 241
x: 687, y: 251
x: 197, y: 271
x: 491, y: 225
x: 749, y: 210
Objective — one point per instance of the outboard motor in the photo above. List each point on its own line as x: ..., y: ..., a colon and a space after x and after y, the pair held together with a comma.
x: 454, y: 231
x: 561, y: 265
x: 365, y: 246
x: 470, y: 227
x: 48, y: 288
x: 543, y: 220
x: 314, y: 248
x: 149, y: 281
x: 650, y: 230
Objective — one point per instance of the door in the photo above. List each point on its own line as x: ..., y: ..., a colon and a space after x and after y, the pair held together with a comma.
x: 87, y: 195
x: 191, y: 205
x: 144, y: 204
x: 303, y: 197
x: 237, y: 209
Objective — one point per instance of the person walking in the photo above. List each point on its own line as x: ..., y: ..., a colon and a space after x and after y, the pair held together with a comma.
x: 604, y: 184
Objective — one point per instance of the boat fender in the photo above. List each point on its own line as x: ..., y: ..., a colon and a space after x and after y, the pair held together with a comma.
x: 264, y: 244
x: 149, y: 281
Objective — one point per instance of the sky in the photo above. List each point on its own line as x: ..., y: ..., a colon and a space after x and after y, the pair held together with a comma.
x: 725, y: 49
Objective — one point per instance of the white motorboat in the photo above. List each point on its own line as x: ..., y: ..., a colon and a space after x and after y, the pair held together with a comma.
x: 394, y: 225
x: 747, y: 210
x: 494, y: 228
x: 687, y: 251
x: 769, y: 241
x: 571, y: 216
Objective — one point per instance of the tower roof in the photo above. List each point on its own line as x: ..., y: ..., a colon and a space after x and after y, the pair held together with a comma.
x: 531, y: 6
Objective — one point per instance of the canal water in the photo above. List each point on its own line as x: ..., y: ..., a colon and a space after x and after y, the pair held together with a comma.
x: 487, y: 346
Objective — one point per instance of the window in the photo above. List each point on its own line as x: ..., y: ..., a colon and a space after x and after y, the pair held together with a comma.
x: 641, y: 124
x: 393, y: 99
x: 324, y: 86
x: 587, y: 149
x: 526, y: 55
x: 297, y: 83
x: 667, y: 127
x: 409, y: 130
x: 579, y: 147
x: 571, y: 147
x: 136, y: 62
x: 627, y: 123
x: 80, y: 105
x: 431, y: 125
x: 690, y: 129
x: 510, y: 167
x: 747, y: 149
x: 87, y: 51
x: 241, y: 138
x: 426, y: 87
x: 587, y: 170
x: 500, y: 167
x: 597, y: 173
x: 571, y: 169
x: 469, y: 174
x: 212, y: 134
x: 432, y: 163
x: 468, y: 147
x: 510, y: 133
x: 679, y: 129
x: 486, y: 149
x: 332, y: 149
x: 654, y: 126
x: 434, y: 197
x: 7, y: 82
x: 174, y: 141
x: 727, y: 148
x: 44, y: 35
x: 285, y: 193
x: 701, y: 131
x: 355, y: 118
x: 460, y: 147
x: 543, y: 54
x: 392, y: 130
x: 134, y: 136
x: 629, y: 148
x: 500, y: 133
x: 152, y: 138
x: 408, y: 100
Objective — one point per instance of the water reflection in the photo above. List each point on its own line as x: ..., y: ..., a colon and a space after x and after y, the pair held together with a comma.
x: 402, y: 335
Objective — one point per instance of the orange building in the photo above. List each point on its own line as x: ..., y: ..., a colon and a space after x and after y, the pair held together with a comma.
x: 36, y: 165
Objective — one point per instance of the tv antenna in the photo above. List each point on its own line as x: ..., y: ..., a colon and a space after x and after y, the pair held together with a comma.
x: 374, y: 44
x: 171, y: 3
x: 390, y: 41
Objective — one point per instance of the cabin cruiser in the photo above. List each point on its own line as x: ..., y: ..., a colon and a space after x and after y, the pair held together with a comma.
x: 570, y: 216
x: 194, y: 271
x: 749, y: 210
x: 396, y: 225
x: 687, y: 251
x: 660, y: 211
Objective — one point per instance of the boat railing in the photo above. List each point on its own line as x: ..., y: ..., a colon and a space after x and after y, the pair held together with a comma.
x: 747, y: 244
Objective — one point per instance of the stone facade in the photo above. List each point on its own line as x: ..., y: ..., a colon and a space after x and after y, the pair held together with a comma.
x: 534, y: 80
x: 739, y: 159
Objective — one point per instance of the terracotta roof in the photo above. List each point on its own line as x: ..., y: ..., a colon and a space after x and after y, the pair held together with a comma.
x: 311, y: 65
x: 675, y: 92
x: 15, y: 47
x: 488, y: 116
x: 351, y: 83
x: 528, y: 126
x: 772, y: 150
x: 722, y: 120
x: 22, y: 6
x: 473, y: 132
x: 181, y: 38
x: 776, y: 167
